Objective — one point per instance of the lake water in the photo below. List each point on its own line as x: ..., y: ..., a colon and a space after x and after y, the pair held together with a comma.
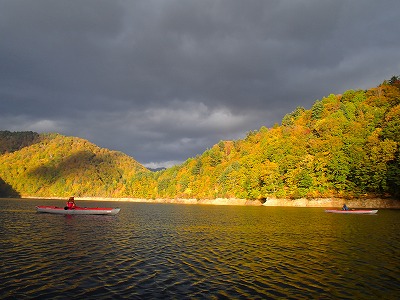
x: 154, y: 251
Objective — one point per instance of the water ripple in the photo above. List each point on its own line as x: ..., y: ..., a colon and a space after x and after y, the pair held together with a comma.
x: 198, y: 252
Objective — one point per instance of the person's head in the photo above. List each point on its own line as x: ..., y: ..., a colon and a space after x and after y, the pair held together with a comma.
x: 71, y: 198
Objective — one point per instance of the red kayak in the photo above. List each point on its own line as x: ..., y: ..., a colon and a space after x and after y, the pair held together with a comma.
x: 77, y: 210
x: 355, y: 211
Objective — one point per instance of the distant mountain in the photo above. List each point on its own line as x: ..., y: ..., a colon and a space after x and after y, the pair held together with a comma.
x: 157, y: 169
x: 57, y: 165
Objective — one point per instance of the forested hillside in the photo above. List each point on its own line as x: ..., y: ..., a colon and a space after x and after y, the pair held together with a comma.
x: 13, y: 141
x: 344, y: 146
x: 61, y: 166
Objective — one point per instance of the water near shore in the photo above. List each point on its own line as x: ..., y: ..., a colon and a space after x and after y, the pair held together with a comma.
x: 169, y: 251
x: 323, y: 202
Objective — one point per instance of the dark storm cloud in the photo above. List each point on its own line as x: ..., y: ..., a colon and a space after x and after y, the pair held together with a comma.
x: 165, y: 80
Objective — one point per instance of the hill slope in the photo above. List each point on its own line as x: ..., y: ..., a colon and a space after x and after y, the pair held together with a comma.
x: 14, y: 141
x: 57, y: 165
x: 344, y: 146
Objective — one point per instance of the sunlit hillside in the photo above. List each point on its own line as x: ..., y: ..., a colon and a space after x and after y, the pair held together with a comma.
x: 57, y: 165
x: 344, y: 146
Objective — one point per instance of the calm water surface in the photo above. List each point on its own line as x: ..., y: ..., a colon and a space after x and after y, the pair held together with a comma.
x: 152, y: 251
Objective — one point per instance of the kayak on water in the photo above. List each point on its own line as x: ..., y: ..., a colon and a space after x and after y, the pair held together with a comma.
x: 77, y: 210
x: 73, y: 209
x: 355, y: 211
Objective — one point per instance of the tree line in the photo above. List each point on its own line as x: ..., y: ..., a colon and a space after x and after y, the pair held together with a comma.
x: 343, y: 146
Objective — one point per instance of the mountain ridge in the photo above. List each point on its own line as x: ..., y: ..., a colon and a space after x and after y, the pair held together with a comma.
x: 345, y: 145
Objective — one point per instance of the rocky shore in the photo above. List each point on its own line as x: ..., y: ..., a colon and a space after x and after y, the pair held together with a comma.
x: 323, y: 202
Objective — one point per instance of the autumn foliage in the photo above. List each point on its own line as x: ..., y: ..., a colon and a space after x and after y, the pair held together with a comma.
x: 343, y: 146
x: 56, y: 165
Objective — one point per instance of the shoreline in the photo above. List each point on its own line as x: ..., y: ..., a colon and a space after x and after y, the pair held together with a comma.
x: 336, y: 203
x: 271, y: 202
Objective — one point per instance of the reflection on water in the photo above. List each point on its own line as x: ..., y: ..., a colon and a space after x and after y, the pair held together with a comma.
x: 153, y: 251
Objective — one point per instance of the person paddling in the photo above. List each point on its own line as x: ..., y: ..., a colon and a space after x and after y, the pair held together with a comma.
x: 71, y: 203
x: 345, y: 207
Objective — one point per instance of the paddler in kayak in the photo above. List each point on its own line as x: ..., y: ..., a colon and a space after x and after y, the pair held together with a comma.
x: 344, y: 207
x: 71, y: 203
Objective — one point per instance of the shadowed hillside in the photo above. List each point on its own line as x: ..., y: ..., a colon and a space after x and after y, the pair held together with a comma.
x: 6, y: 191
x: 14, y: 141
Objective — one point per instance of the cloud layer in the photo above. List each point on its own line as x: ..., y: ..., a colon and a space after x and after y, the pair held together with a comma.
x: 164, y: 80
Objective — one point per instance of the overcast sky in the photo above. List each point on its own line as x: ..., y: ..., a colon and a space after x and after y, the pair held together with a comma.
x: 164, y: 80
